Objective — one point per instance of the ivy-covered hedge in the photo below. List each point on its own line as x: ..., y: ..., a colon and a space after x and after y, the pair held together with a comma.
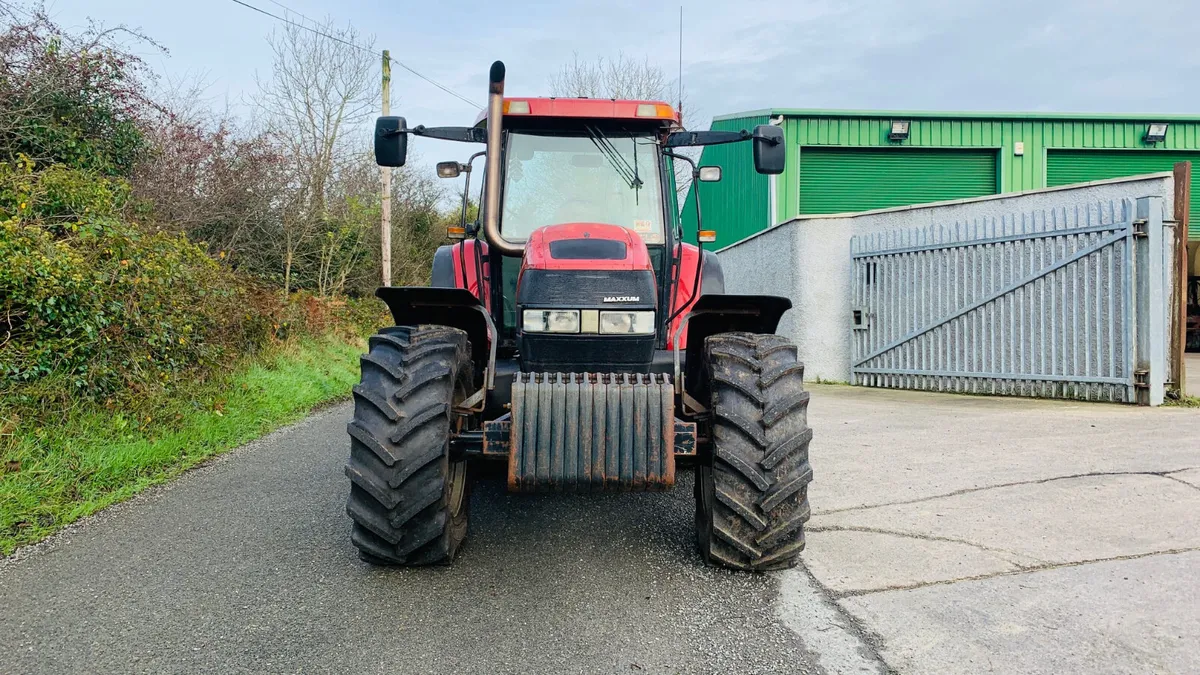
x: 94, y: 307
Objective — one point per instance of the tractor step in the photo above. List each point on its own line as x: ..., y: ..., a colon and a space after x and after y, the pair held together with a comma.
x: 586, y: 432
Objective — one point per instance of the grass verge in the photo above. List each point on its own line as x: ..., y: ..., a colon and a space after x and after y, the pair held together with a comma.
x: 53, y: 476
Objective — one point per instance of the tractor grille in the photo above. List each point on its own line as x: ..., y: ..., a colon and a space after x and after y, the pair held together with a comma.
x: 576, y: 289
x: 550, y: 352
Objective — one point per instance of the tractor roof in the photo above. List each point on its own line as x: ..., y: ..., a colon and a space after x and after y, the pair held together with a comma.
x: 589, y: 108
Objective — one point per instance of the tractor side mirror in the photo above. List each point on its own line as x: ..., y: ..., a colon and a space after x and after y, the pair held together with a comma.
x: 449, y: 169
x: 391, y: 141
x: 769, y: 151
x: 709, y: 174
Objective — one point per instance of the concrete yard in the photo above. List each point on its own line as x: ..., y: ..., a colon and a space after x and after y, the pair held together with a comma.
x: 971, y: 534
x: 950, y: 534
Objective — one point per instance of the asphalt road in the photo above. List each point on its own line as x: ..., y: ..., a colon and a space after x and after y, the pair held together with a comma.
x: 246, y: 566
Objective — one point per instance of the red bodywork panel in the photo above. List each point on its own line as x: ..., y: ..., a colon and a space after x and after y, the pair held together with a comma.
x: 467, y: 249
x: 684, y: 293
x: 593, y: 108
x: 537, y: 249
x: 537, y: 256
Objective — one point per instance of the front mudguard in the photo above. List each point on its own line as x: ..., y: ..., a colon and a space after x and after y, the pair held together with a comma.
x: 719, y: 313
x: 454, y: 307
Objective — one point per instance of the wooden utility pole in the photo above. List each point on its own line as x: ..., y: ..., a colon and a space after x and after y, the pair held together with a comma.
x: 385, y: 173
x: 1183, y: 200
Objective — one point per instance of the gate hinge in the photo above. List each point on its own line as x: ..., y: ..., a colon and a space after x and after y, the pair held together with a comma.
x: 1141, y: 227
x: 1141, y: 379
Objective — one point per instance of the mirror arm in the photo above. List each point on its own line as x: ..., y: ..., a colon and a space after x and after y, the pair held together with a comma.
x: 460, y: 134
x: 693, y: 138
x: 672, y: 155
x: 466, y: 200
x: 462, y: 249
x: 699, y: 244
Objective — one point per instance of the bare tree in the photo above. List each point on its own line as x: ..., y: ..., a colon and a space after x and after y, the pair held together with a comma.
x: 210, y: 177
x: 622, y: 77
x: 319, y: 92
x: 626, y: 78
x: 345, y: 244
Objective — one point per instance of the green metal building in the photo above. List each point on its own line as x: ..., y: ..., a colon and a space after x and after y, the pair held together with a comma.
x: 841, y: 161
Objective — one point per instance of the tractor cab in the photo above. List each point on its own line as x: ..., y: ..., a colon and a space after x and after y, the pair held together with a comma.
x: 592, y: 182
x: 588, y: 195
x: 585, y: 160
x: 572, y: 332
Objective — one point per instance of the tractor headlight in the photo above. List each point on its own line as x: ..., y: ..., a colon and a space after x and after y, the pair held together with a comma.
x: 550, y: 321
x: 627, y: 323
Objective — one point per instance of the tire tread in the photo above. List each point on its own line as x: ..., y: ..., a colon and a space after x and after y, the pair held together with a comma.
x: 760, y: 469
x: 399, y: 461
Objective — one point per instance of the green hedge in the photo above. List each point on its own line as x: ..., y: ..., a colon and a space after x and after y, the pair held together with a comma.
x: 95, y: 308
x: 92, y: 307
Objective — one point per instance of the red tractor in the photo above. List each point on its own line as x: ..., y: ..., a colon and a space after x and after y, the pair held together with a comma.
x: 580, y: 341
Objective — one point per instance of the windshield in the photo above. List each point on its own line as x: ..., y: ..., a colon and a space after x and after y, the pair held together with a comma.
x: 592, y: 178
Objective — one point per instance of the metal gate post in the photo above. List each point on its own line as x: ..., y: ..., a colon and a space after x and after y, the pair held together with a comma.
x: 1151, y: 311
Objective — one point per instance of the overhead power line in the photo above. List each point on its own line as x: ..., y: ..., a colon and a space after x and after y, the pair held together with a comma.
x: 348, y: 43
x: 289, y: 10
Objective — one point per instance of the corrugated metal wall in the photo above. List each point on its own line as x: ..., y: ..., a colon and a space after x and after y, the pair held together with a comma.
x: 1017, y: 173
x: 739, y: 205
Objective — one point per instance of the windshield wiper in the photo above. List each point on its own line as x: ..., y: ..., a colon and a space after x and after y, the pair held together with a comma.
x: 615, y: 159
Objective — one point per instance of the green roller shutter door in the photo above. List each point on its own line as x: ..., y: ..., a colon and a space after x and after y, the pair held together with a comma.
x: 835, y: 180
x: 1064, y: 167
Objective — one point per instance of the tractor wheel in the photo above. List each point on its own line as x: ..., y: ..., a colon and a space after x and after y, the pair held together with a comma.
x: 408, y: 499
x: 752, y: 488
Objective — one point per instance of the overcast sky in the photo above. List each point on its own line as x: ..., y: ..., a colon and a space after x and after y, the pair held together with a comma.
x: 1009, y: 55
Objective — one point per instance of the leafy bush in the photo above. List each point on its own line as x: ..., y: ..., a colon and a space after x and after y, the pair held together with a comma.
x: 76, y: 99
x: 93, y: 307
x: 139, y: 250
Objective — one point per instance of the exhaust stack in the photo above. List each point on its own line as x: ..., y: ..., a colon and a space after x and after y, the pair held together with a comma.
x: 491, y: 194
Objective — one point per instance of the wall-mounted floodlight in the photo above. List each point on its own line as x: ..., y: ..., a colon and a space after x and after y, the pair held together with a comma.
x: 899, y: 130
x: 1157, y: 132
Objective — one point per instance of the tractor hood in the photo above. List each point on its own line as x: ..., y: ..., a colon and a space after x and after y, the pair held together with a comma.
x: 585, y: 246
x: 587, y: 300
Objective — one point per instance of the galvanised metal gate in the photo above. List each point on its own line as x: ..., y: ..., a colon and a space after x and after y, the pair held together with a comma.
x: 1037, y: 305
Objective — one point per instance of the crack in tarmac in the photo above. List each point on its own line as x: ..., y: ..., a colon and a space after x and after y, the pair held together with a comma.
x: 828, y: 655
x: 1039, y: 481
x: 1180, y: 480
x: 1042, y: 568
x: 930, y: 537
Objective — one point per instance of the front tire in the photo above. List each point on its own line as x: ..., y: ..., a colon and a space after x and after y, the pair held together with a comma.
x: 752, y: 487
x: 408, y: 500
